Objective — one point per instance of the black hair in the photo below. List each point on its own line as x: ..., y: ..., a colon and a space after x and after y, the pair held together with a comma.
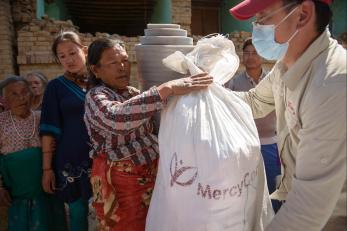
x: 12, y: 79
x: 323, y: 13
x: 95, y: 51
x: 246, y: 43
x: 342, y: 39
x: 62, y: 37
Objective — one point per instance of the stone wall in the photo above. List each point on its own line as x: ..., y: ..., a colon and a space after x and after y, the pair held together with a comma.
x: 7, y: 40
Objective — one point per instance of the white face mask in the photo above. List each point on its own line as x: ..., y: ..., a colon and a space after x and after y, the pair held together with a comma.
x: 263, y: 39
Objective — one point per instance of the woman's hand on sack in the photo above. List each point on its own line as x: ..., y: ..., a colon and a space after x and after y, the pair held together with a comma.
x: 5, y: 199
x: 185, y: 85
x: 48, y: 181
x: 189, y: 84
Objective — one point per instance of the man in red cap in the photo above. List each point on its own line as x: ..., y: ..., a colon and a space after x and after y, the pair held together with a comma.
x: 307, y: 89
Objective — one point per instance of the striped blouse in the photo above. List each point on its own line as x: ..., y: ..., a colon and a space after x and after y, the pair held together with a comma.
x: 119, y: 123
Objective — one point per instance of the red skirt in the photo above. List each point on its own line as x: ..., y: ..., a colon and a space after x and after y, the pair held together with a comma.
x: 122, y: 193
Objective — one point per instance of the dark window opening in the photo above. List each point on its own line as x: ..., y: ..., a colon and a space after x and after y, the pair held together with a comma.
x: 123, y: 17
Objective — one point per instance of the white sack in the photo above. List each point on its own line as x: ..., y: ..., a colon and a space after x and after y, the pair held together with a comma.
x: 211, y: 173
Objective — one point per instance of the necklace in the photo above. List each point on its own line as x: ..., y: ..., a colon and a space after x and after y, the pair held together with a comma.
x: 79, y: 79
x: 15, y: 128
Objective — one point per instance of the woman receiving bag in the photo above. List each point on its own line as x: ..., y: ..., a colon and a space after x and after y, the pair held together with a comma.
x: 125, y: 152
x: 211, y: 173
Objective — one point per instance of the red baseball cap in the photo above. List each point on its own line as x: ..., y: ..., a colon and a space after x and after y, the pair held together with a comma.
x: 248, y: 8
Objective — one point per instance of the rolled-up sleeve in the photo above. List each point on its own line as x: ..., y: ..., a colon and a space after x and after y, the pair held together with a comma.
x: 320, y: 172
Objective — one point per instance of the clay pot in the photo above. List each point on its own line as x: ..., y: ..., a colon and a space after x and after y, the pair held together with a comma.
x: 154, y: 25
x: 160, y: 41
x: 165, y: 32
x: 151, y: 71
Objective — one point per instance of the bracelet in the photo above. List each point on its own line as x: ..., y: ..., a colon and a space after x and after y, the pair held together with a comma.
x: 47, y: 169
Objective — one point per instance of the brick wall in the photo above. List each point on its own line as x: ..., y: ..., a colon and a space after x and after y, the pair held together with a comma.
x: 23, y: 11
x: 182, y: 14
x: 7, y: 40
x: 35, y: 41
x: 34, y: 46
x: 36, y: 38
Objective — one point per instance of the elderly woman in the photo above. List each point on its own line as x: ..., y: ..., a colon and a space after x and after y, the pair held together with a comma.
x: 125, y: 151
x: 20, y: 162
x: 38, y: 83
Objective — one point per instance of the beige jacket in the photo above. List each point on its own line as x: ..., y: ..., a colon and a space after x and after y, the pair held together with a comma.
x: 310, y: 104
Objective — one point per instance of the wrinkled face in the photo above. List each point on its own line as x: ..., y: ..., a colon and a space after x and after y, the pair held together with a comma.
x: 36, y: 85
x: 72, y: 56
x: 250, y: 58
x: 17, y: 96
x: 113, y: 68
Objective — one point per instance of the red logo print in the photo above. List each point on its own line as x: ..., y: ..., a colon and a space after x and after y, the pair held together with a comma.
x: 179, y: 172
x: 291, y: 108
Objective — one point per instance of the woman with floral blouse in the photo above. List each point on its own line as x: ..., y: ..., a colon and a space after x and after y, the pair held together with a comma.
x: 125, y: 152
x: 29, y: 207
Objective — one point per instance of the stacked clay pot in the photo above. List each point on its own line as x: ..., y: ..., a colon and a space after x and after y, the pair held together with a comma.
x: 159, y: 41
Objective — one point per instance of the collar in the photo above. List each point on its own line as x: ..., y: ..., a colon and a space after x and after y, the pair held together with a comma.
x: 123, y: 92
x: 126, y: 93
x: 293, y: 75
x: 250, y: 79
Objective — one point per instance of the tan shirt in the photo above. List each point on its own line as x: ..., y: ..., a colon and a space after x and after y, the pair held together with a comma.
x: 310, y: 104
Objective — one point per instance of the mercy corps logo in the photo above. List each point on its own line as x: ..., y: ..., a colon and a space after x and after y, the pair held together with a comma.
x: 178, y: 171
x: 190, y: 173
